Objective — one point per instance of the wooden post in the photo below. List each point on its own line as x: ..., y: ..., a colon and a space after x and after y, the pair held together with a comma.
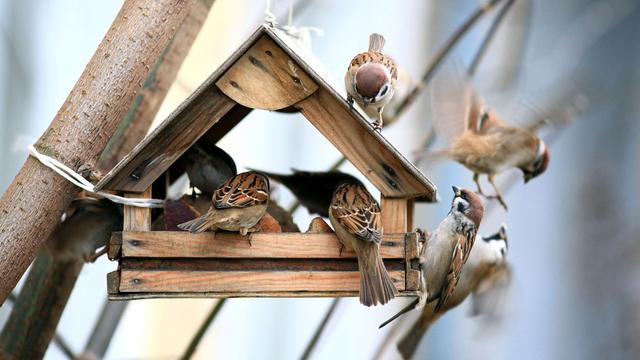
x: 32, y: 205
x: 395, y: 215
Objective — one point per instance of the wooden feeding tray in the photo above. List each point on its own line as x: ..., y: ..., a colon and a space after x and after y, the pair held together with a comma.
x: 169, y: 264
x: 269, y: 72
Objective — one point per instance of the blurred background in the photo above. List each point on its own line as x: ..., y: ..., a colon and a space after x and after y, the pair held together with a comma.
x: 573, y: 233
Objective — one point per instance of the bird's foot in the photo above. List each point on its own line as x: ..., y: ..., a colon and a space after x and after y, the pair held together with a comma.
x: 350, y: 102
x: 377, y: 126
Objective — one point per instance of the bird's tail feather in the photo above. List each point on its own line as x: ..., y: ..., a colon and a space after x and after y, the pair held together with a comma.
x: 376, y: 42
x: 199, y: 224
x: 406, y: 309
x: 376, y: 286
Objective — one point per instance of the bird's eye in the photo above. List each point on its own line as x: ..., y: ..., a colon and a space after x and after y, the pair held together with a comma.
x: 383, y: 91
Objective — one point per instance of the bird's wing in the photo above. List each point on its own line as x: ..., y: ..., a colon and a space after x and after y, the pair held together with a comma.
x: 455, y: 105
x: 241, y: 191
x: 489, y: 297
x: 358, y: 212
x: 461, y: 252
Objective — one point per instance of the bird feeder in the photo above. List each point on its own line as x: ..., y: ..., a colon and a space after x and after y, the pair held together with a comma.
x: 268, y: 71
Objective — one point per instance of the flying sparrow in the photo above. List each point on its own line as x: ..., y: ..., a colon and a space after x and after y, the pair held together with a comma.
x: 238, y: 205
x: 87, y: 226
x: 480, y: 140
x: 371, y: 78
x: 487, y: 259
x: 313, y: 189
x: 446, y: 251
x: 208, y: 167
x: 355, y: 216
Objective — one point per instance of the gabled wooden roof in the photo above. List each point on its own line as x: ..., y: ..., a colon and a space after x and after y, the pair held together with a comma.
x: 269, y: 71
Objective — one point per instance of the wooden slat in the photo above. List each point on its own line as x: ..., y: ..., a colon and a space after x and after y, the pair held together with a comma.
x: 126, y: 296
x: 164, y: 135
x: 244, y: 281
x: 180, y: 244
x: 137, y: 218
x: 114, y: 247
x: 266, y: 78
x: 395, y: 214
x: 365, y: 148
x: 172, y: 138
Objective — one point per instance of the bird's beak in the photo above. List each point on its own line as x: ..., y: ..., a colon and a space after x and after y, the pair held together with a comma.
x: 527, y: 177
x: 456, y: 191
x: 365, y: 102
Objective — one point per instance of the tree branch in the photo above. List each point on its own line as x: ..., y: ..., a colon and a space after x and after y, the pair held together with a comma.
x: 32, y: 205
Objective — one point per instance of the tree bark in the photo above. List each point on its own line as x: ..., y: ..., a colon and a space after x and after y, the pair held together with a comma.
x: 38, y: 307
x: 32, y: 205
x: 135, y: 125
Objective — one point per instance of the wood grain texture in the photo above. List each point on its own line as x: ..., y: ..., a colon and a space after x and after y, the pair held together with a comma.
x: 200, y: 99
x: 180, y: 244
x: 114, y: 246
x: 137, y: 218
x: 395, y: 214
x: 365, y: 148
x: 123, y: 296
x: 244, y: 281
x: 32, y: 205
x: 136, y: 123
x: 154, y: 155
x: 266, y: 78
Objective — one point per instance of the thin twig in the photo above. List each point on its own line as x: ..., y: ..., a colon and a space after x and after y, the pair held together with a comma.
x: 193, y: 345
x: 489, y: 37
x: 323, y: 324
x: 440, y: 56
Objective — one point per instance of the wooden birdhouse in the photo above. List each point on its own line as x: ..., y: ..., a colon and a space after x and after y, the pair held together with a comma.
x: 267, y: 72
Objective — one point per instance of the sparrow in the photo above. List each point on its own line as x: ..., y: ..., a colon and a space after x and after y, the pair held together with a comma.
x: 371, y: 78
x: 481, y: 275
x: 87, y: 226
x: 479, y: 139
x: 446, y: 251
x: 313, y: 189
x: 403, y: 87
x: 238, y: 205
x: 208, y: 167
x: 355, y: 217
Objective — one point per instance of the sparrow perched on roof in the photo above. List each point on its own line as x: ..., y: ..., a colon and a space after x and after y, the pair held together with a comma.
x: 208, y: 167
x: 313, y: 189
x: 371, y: 78
x: 238, y: 205
x: 87, y: 226
x: 355, y: 216
x: 487, y: 259
x: 403, y: 87
x: 447, y: 250
x: 479, y: 139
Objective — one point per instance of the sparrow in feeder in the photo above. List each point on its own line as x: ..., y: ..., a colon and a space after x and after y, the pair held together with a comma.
x: 355, y: 216
x: 87, y: 226
x: 486, y: 276
x: 313, y: 189
x: 208, y: 167
x: 446, y: 251
x: 479, y: 139
x: 371, y: 78
x: 238, y: 205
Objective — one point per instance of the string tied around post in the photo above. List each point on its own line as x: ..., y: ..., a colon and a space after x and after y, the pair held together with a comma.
x: 79, y: 181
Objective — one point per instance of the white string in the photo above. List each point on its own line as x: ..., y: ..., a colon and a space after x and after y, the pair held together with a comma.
x: 269, y: 17
x: 85, y: 185
x: 301, y: 34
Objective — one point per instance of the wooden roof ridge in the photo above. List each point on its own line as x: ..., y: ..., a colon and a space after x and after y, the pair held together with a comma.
x: 201, y: 112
